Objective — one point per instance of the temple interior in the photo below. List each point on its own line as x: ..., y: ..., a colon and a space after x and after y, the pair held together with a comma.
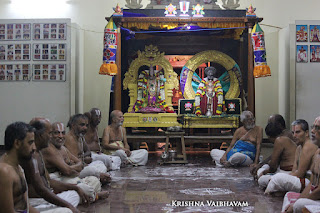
x: 181, y: 81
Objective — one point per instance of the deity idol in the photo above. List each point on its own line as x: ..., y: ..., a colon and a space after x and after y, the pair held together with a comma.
x: 151, y: 93
x: 209, y: 96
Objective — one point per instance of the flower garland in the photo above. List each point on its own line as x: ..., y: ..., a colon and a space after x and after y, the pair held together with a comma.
x: 143, y: 91
x: 219, y: 93
x: 202, y: 91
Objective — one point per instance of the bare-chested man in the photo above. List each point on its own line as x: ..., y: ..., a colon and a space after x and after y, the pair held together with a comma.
x: 114, y: 142
x: 19, y: 145
x: 244, y: 149
x: 76, y: 144
x: 283, y: 153
x: 66, y: 167
x: 310, y: 196
x: 47, y: 195
x: 296, y: 180
x: 92, y: 139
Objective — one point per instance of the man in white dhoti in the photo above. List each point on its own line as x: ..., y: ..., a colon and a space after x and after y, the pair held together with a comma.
x: 47, y: 194
x: 76, y: 144
x: 310, y: 196
x: 114, y: 142
x: 92, y: 139
x: 296, y: 180
x: 65, y: 167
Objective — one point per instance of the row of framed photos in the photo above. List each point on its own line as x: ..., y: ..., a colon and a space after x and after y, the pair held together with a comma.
x: 302, y: 53
x: 17, y: 52
x: 39, y: 72
x: 302, y: 34
x: 41, y: 31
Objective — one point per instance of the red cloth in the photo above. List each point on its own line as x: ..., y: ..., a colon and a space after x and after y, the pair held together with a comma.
x: 203, y: 104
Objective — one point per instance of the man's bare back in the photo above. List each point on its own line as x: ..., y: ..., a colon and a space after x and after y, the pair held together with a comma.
x: 284, y: 153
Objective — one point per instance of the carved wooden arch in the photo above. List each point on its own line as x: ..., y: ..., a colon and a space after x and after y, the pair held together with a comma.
x: 150, y: 57
x: 217, y: 57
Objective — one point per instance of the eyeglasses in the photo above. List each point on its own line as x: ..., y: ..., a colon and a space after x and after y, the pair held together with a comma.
x: 316, y: 127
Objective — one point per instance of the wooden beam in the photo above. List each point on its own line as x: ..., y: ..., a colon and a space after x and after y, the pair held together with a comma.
x: 117, y: 80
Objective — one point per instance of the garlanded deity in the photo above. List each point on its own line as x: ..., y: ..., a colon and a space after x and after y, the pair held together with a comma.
x: 151, y: 94
x: 209, y: 97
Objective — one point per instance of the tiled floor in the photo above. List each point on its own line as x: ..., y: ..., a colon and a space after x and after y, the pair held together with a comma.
x: 155, y: 188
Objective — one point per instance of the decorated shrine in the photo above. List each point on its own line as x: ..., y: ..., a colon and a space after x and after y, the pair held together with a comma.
x: 183, y: 69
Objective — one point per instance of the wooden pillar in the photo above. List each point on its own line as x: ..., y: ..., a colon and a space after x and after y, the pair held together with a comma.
x: 117, y: 80
x: 251, y: 86
x: 250, y: 22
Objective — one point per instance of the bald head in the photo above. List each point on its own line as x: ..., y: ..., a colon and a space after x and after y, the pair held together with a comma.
x: 42, y: 134
x: 58, y: 134
x: 116, y: 117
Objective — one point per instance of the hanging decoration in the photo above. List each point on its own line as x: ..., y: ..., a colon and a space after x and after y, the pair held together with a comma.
x: 261, y: 69
x: 110, y: 42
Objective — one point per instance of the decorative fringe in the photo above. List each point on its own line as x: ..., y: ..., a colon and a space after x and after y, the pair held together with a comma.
x: 261, y: 71
x: 108, y: 69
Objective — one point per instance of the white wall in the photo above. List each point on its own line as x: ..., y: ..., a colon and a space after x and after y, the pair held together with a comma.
x: 92, y: 90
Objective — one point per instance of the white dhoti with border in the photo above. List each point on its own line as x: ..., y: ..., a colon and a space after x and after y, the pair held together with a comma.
x: 111, y: 162
x: 90, y: 184
x: 264, y: 179
x: 282, y: 182
x: 299, y: 203
x: 42, y: 205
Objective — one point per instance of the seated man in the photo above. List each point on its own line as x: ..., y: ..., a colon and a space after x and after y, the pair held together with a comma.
x: 19, y: 145
x: 46, y: 194
x: 310, y: 196
x: 65, y: 167
x: 283, y: 153
x: 114, y: 142
x: 76, y: 144
x: 92, y: 139
x: 244, y: 149
x: 296, y: 180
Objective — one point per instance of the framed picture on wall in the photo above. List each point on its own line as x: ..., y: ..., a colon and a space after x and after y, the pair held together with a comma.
x: 314, y: 33
x: 314, y: 53
x: 302, y: 33
x: 49, y: 72
x: 302, y: 54
x: 15, y: 72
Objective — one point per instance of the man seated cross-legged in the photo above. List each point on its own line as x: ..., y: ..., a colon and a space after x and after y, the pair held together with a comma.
x: 283, y: 153
x: 76, y: 144
x: 92, y: 139
x: 47, y: 195
x: 310, y: 196
x: 296, y: 180
x: 114, y: 141
x: 244, y: 149
x: 64, y: 166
